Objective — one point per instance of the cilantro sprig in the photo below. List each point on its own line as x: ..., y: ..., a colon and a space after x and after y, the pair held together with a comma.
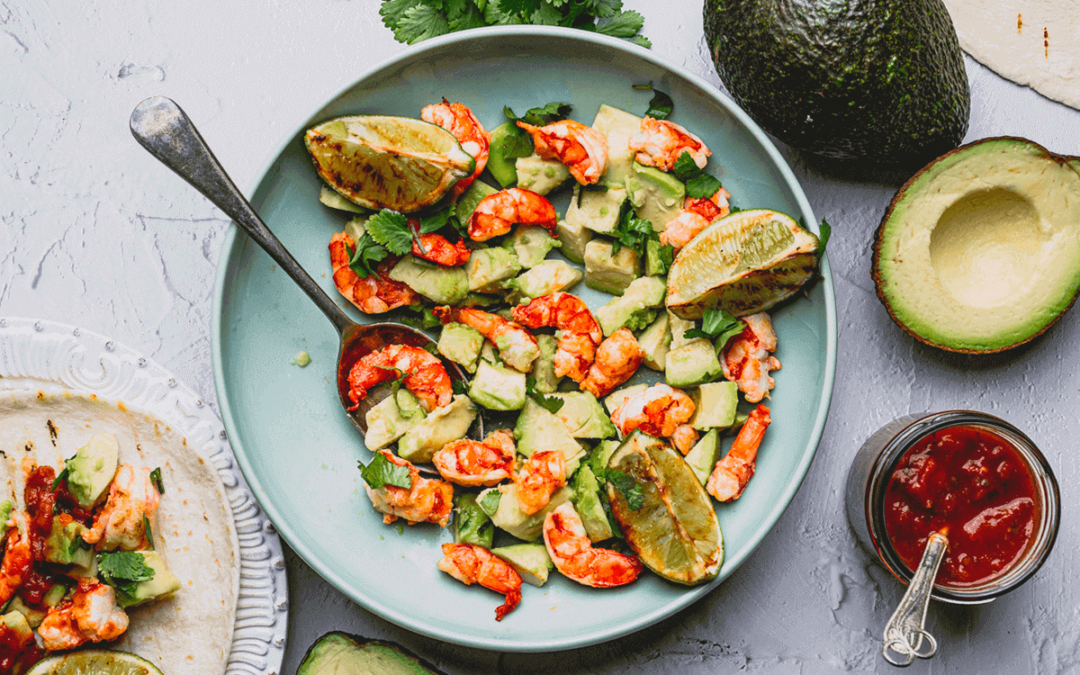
x: 718, y: 324
x: 366, y: 252
x: 391, y: 229
x: 633, y: 233
x: 155, y: 478
x: 699, y: 184
x: 552, y: 404
x: 382, y: 472
x: 661, y: 104
x: 629, y: 487
x: 517, y: 142
x: 124, y: 570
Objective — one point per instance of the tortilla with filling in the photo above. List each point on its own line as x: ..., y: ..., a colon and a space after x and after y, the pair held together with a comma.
x: 190, y: 632
x: 1031, y: 42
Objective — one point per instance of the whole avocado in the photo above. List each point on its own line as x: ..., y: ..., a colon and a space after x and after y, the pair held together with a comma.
x: 846, y: 79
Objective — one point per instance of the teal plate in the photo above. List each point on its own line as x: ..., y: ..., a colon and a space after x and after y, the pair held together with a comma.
x: 298, y: 450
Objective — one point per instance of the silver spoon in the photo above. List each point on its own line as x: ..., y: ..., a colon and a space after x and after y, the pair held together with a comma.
x: 160, y: 126
x: 905, y: 632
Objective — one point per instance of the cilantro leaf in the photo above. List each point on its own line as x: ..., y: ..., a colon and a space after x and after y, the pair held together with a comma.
x: 459, y: 387
x: 124, y: 570
x: 633, y: 232
x: 425, y: 319
x: 393, y: 11
x: 629, y: 487
x: 605, y: 9
x: 149, y: 532
x: 155, y: 478
x: 685, y: 167
x: 470, y: 18
x: 546, y: 15
x: 367, y: 251
x: 667, y: 256
x: 823, y: 238
x: 552, y: 404
x: 59, y: 479
x: 436, y: 221
x: 489, y: 503
x: 660, y: 106
x: 495, y: 16
x: 382, y: 472
x: 391, y: 229
x: 640, y: 41
x: 702, y: 186
x: 719, y: 324
x: 623, y: 25
x: 541, y: 115
x: 420, y: 23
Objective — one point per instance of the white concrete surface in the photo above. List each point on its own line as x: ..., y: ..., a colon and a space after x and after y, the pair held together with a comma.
x: 94, y: 232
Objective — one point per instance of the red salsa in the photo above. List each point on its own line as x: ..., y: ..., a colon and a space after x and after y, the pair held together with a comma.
x: 972, y: 483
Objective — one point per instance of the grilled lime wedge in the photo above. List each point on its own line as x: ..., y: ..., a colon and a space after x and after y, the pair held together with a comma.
x: 94, y: 662
x: 744, y: 263
x: 384, y: 162
x: 673, y: 530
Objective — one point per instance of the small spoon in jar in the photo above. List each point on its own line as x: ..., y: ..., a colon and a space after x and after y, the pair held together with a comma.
x: 905, y: 632
x: 160, y: 126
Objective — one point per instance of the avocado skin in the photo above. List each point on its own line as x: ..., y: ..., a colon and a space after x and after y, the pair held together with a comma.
x: 847, y: 79
x: 396, y: 659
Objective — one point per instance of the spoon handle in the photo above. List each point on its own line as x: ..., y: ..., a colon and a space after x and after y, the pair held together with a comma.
x: 160, y: 126
x: 904, y: 633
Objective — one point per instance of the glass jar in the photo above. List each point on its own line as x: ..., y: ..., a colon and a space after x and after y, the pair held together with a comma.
x: 876, y: 462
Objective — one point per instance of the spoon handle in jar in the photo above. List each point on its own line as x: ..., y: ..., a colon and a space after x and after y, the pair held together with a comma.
x: 905, y: 632
x: 160, y: 126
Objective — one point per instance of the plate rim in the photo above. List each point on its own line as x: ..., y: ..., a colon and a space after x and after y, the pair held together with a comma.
x: 229, y: 248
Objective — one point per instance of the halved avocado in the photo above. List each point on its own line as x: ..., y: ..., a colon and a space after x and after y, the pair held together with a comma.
x: 340, y: 653
x: 980, y: 251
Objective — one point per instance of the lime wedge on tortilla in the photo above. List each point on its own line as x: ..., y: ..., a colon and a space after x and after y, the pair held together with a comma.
x: 385, y: 162
x: 744, y: 263
x: 667, y: 518
x: 94, y: 662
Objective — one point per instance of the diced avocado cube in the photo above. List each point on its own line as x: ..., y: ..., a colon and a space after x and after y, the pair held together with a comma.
x: 391, y: 418
x: 16, y: 625
x: 65, y: 546
x: 601, y: 454
x: 607, y: 271
x: 574, y: 239
x: 540, y: 175
x: 587, y: 504
x: 658, y: 258
x: 92, y: 469
x: 444, y: 285
x: 499, y: 164
x: 473, y: 300
x: 461, y: 344
x: 55, y: 595
x: 618, y: 126
x: 547, y: 277
x: 531, y: 244
x: 511, y: 519
x: 471, y: 524
x: 704, y: 455
x: 656, y: 196
x: 619, y: 396
x: 497, y: 388
x: 163, y: 584
x: 530, y: 561
x: 356, y: 228
x: 335, y: 201
x: 472, y: 196
x: 692, y: 364
x: 597, y: 209
x: 678, y: 331
x: 6, y: 507
x: 641, y: 294
x: 655, y: 341
x: 715, y: 405
x: 488, y: 266
x: 488, y: 352
x: 538, y: 429
x: 441, y: 426
x: 516, y: 353
x: 544, y: 368
x: 583, y: 415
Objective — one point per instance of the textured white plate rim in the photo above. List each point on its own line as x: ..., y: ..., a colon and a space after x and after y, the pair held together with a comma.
x: 646, y: 619
x: 86, y: 362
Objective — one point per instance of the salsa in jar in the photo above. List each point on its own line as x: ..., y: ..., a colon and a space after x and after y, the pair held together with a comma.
x: 973, y: 486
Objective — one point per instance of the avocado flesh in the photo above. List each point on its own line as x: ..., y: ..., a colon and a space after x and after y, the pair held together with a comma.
x: 583, y: 415
x: 530, y: 561
x: 874, y: 79
x: 531, y: 244
x: 341, y: 654
x: 443, y: 285
x: 540, y: 175
x: 980, y: 251
x: 92, y: 469
x: 164, y: 583
x: 617, y: 126
x: 498, y: 388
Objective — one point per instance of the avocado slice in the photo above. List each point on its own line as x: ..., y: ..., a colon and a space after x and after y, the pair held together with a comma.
x: 655, y: 341
x: 471, y: 524
x: 619, y: 396
x: 703, y: 456
x: 92, y: 469
x: 538, y: 429
x: 692, y: 364
x: 544, y: 366
x: 608, y: 271
x: 6, y: 507
x: 65, y: 546
x: 641, y: 294
x: 980, y: 251
x: 588, y: 505
x: 597, y: 210
x: 334, y: 200
x: 531, y: 244
x: 472, y: 196
x: 679, y: 326
x: 163, y: 584
x: 530, y: 561
x: 574, y: 237
x: 511, y: 519
x: 657, y: 196
x: 497, y: 388
x: 547, y: 277
x: 503, y: 168
x: 16, y: 626
x: 390, y: 418
x: 441, y: 426
x: 443, y: 285
x: 583, y: 415
x: 618, y: 126
x: 540, y: 175
x: 461, y: 344
x: 488, y: 266
x: 715, y: 404
x: 342, y: 654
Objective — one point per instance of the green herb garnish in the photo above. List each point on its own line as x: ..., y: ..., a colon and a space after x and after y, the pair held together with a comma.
x: 124, y: 570
x: 382, y: 472
x: 661, y: 104
x: 629, y: 487
x: 552, y: 404
x: 489, y: 503
x: 718, y: 324
x: 59, y: 479
x: 155, y: 476
x: 699, y: 185
x: 633, y: 233
x: 367, y: 251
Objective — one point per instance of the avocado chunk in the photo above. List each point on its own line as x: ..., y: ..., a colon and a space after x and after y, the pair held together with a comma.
x: 6, y: 507
x: 390, y: 418
x: 692, y: 364
x: 608, y: 271
x: 531, y: 244
x: 497, y: 388
x: 540, y: 175
x: 335, y: 201
x: 655, y: 341
x: 356, y: 228
x: 980, y: 252
x: 15, y: 623
x: 597, y: 210
x: 658, y: 258
x: 657, y: 196
x: 704, y: 455
x: 471, y: 524
x: 714, y: 405
x: 92, y: 469
x: 163, y: 584
x: 544, y: 368
x: 574, y: 239
x: 619, y: 396
x: 641, y: 294
x: 441, y: 426
x: 538, y: 429
x: 890, y: 87
x: 618, y: 126
x: 444, y: 285
x: 341, y: 654
x: 65, y: 545
x: 472, y: 196
x: 530, y: 561
x: 501, y: 166
x: 583, y: 415
x: 679, y: 326
x: 588, y: 505
x: 488, y: 266
x: 461, y: 344
x: 547, y: 277
x: 511, y: 519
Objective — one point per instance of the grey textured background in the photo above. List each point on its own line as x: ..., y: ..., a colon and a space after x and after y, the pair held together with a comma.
x: 94, y: 232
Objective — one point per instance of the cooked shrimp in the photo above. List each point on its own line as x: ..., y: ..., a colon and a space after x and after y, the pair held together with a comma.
x: 617, y: 359
x: 540, y: 477
x: 18, y: 558
x: 574, y: 556
x: 374, y: 295
x: 425, y: 375
x: 517, y: 346
x: 439, y: 250
x: 684, y: 438
x: 497, y: 213
x: 426, y: 500
x: 582, y: 149
x: 471, y: 564
x: 734, y: 471
x: 133, y: 502
x: 471, y: 463
x: 658, y: 411
x: 91, y: 615
x: 696, y: 215
x: 460, y: 121
x: 578, y: 332
x: 660, y: 143
x: 746, y: 359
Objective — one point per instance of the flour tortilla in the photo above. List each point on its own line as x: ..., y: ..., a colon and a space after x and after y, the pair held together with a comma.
x: 1008, y: 37
x: 192, y: 631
